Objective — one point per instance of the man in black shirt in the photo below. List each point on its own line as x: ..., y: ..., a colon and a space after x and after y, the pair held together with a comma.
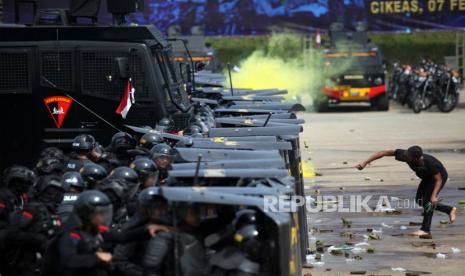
x: 433, y: 176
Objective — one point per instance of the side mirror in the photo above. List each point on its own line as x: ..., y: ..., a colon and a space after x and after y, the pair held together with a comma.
x: 123, y: 67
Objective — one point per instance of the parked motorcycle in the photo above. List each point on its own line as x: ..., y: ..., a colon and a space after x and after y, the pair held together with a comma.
x: 427, y: 85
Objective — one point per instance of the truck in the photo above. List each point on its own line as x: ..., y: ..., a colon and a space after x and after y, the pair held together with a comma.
x: 353, y: 71
x: 60, y: 81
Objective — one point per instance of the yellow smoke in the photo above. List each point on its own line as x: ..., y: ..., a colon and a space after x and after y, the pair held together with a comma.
x: 284, y: 64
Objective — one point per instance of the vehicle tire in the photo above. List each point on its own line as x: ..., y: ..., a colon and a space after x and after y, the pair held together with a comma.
x: 450, y: 103
x: 381, y: 103
x: 416, y: 104
x: 320, y: 103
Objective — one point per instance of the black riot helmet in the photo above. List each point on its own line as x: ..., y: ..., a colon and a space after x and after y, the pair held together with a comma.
x: 83, y: 143
x: 165, y: 125
x: 49, y: 190
x: 92, y: 174
x: 154, y: 205
x: 122, y: 142
x: 163, y: 155
x: 73, y: 179
x: 145, y: 168
x: 151, y: 139
x: 116, y: 190
x: 245, y: 217
x: 19, y: 179
x: 129, y: 176
x: 91, y: 203
x: 125, y: 173
x: 194, y: 131
x: 186, y: 142
x: 53, y: 152
x: 49, y: 165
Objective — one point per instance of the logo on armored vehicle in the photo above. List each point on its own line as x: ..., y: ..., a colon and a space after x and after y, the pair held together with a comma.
x: 58, y: 107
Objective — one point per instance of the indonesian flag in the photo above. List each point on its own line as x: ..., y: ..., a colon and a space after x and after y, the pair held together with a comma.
x: 127, y: 101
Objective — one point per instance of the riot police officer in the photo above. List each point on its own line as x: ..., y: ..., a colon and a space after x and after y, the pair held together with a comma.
x: 73, y: 185
x: 153, y: 209
x: 166, y: 125
x: 79, y: 248
x: 13, y: 195
x: 147, y: 171
x: 49, y: 166
x: 150, y: 139
x: 119, y: 149
x: 53, y: 152
x: 242, y: 252
x: 82, y: 146
x: 16, y: 183
x: 31, y: 228
x: 163, y: 156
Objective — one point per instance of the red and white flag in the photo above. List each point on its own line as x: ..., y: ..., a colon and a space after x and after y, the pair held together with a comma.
x: 127, y: 101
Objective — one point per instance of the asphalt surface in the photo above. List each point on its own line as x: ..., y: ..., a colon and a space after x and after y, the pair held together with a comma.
x: 336, y: 141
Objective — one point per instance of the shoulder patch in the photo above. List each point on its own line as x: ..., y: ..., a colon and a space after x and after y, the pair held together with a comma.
x: 75, y: 236
x: 27, y: 215
x: 103, y: 229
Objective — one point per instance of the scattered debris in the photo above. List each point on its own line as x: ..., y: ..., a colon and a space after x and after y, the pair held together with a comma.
x: 398, y: 269
x: 318, y: 257
x: 440, y: 256
x: 462, y: 202
x: 455, y: 250
x: 309, y: 159
x: 341, y: 188
x: 374, y: 236
x: 306, y: 144
x: 444, y: 222
x: 394, y: 212
x: 381, y: 180
x: 386, y: 226
x: 358, y: 272
x: 370, y: 250
x: 307, y: 266
x: 412, y: 274
x: 358, y: 250
x: 318, y: 263
x: 367, y: 178
x: 403, y: 227
x: 362, y: 244
x: 412, y: 223
x: 358, y: 257
x: 369, y: 230
x: 344, y: 163
x: 346, y: 223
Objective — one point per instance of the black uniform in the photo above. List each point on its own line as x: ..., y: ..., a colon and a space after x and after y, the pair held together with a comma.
x: 431, y: 167
x: 27, y: 237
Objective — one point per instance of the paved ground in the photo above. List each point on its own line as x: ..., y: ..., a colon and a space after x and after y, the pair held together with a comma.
x: 337, y: 141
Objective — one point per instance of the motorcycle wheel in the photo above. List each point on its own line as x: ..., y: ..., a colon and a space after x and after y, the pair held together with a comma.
x: 448, y: 104
x: 416, y: 102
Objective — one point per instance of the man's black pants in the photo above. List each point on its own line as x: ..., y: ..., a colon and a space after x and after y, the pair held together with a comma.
x: 423, y: 198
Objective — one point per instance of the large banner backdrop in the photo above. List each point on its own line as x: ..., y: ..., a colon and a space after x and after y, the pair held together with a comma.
x: 244, y: 17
